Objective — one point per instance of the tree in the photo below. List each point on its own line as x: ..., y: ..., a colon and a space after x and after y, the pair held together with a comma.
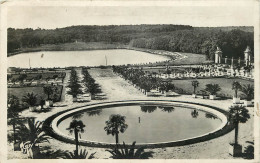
x: 114, y: 125
x: 30, y: 99
x: 236, y: 86
x: 195, y: 84
x: 34, y: 135
x: 48, y: 91
x: 74, y: 85
x: 129, y: 153
x: 248, y: 91
x: 212, y: 88
x: 12, y: 113
x: 83, y: 154
x: 76, y: 127
x: 240, y: 115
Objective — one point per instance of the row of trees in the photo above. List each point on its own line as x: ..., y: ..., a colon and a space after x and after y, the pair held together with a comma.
x: 178, y: 38
x: 74, y: 85
x: 138, y: 78
x: 91, y: 86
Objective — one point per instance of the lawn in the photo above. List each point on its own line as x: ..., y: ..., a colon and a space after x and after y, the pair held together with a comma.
x: 224, y: 83
x: 20, y: 92
x: 44, y: 76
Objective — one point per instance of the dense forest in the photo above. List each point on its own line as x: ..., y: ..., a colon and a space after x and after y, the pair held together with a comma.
x: 179, y: 38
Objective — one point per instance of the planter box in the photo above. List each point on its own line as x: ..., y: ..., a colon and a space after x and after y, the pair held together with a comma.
x: 236, y: 100
x: 38, y: 108
x: 235, y: 150
x: 168, y: 94
x: 248, y: 103
x: 92, y: 97
x: 194, y: 95
x: 212, y: 97
x: 17, y: 146
x: 74, y: 99
x: 48, y: 103
x: 32, y: 108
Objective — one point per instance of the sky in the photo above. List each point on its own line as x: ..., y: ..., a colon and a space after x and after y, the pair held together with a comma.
x: 51, y: 17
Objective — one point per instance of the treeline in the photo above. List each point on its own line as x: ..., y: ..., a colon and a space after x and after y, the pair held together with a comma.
x: 232, y: 43
x: 180, y: 38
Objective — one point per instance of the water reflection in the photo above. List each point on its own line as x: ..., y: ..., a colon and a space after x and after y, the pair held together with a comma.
x: 167, y: 108
x: 148, y: 108
x: 211, y: 116
x: 77, y: 116
x: 94, y: 112
x: 194, y: 113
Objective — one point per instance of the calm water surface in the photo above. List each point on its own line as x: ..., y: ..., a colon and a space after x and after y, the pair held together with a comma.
x: 82, y: 58
x: 157, y: 124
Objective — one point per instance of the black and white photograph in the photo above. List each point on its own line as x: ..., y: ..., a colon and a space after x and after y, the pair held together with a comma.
x: 153, y: 80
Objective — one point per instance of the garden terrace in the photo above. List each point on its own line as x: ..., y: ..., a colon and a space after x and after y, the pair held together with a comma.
x: 20, y: 92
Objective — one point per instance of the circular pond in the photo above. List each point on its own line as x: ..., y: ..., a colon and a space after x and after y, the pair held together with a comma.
x: 149, y: 122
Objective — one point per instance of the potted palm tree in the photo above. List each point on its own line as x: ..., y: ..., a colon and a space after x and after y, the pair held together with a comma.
x: 76, y: 126
x: 48, y: 91
x: 236, y: 86
x: 239, y: 114
x: 248, y: 92
x: 31, y: 100
x: 195, y: 84
x: 13, y: 118
x: 114, y: 125
x: 93, y: 90
x: 212, y: 89
x: 33, y: 135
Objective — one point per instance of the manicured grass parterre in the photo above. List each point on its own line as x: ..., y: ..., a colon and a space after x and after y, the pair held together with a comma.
x: 20, y: 92
x: 224, y: 83
x: 44, y: 76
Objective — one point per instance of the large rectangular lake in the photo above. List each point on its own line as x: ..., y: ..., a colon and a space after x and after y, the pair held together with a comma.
x: 82, y: 58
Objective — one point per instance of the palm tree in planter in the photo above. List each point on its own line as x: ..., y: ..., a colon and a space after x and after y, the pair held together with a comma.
x: 33, y: 135
x: 212, y: 89
x: 13, y: 118
x: 48, y: 91
x: 114, y: 125
x: 169, y: 87
x: 76, y: 127
x: 129, y: 152
x: 31, y: 100
x: 203, y: 93
x: 239, y: 115
x: 93, y: 90
x: 248, y: 92
x: 74, y: 90
x: 236, y: 86
x: 195, y: 84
